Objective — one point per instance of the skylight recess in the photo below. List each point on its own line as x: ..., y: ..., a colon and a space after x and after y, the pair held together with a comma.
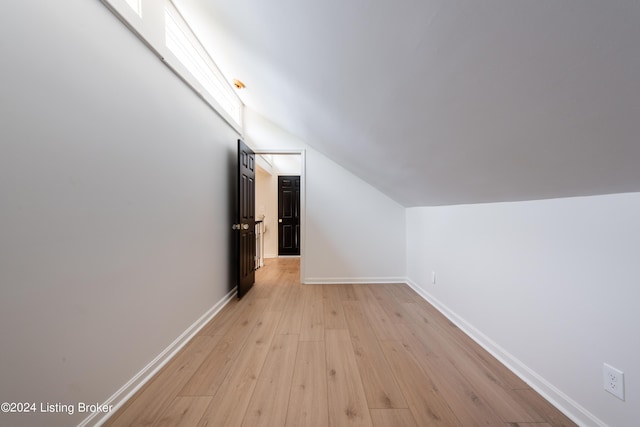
x: 188, y: 50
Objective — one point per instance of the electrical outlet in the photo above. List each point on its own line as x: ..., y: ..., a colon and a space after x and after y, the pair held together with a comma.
x: 613, y: 380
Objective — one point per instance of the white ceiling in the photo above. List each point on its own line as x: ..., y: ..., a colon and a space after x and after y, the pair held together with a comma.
x: 440, y: 101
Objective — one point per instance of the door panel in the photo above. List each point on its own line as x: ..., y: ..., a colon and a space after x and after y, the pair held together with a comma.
x: 289, y: 215
x: 245, y: 225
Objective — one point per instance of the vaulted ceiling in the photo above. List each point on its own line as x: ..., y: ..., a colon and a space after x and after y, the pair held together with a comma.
x: 444, y: 102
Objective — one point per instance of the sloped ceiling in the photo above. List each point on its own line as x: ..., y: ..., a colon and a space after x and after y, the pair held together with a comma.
x: 445, y: 102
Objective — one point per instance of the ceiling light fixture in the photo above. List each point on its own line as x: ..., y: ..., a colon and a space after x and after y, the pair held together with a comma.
x: 238, y: 84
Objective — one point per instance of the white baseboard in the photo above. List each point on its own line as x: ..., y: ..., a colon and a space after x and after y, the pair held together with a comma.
x: 134, y: 384
x: 352, y: 280
x: 556, y: 397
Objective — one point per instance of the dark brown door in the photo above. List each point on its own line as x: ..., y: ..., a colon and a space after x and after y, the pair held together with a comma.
x: 245, y: 225
x: 289, y: 215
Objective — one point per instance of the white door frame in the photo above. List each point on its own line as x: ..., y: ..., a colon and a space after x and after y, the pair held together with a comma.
x: 303, y: 200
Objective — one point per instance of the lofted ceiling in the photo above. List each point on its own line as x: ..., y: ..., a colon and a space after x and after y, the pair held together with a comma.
x: 438, y: 102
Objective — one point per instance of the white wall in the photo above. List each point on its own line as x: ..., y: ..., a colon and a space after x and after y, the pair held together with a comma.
x: 267, y: 205
x: 354, y: 233
x: 114, y: 223
x: 550, y: 286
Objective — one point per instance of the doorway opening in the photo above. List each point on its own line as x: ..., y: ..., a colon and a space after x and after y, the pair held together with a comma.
x: 271, y: 166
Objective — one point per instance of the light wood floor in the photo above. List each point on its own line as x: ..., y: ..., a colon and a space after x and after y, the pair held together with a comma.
x: 333, y: 355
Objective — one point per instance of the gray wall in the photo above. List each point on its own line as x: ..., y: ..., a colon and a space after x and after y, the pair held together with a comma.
x: 113, y: 206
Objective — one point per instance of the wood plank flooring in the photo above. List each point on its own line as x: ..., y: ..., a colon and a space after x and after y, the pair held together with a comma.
x: 297, y: 355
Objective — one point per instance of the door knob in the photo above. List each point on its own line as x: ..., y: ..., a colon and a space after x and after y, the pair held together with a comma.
x: 245, y: 226
x: 235, y: 227
x: 280, y: 220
